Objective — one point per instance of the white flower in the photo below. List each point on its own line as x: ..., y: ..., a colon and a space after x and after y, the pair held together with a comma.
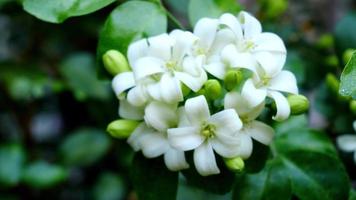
x: 259, y: 86
x: 347, y: 142
x: 161, y: 63
x: 251, y: 127
x: 151, y: 136
x: 204, y: 133
x: 252, y: 47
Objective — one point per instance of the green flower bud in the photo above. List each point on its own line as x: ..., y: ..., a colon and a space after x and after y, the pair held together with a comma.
x: 232, y: 79
x: 212, y: 89
x: 235, y: 164
x: 298, y: 104
x: 332, y: 82
x: 115, y: 62
x: 325, y: 41
x: 353, y: 106
x: 122, y: 128
x: 346, y: 56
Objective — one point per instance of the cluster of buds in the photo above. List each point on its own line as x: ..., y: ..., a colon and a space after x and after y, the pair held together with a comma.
x: 202, y: 91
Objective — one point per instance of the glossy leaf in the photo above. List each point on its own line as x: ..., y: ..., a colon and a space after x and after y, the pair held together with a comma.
x: 152, y: 180
x: 12, y: 159
x: 211, y: 8
x: 59, y: 10
x: 84, y: 147
x: 129, y: 22
x: 41, y: 174
x: 348, y: 78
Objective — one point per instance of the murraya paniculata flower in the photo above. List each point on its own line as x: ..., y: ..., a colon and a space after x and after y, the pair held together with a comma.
x: 213, y: 117
x: 347, y: 142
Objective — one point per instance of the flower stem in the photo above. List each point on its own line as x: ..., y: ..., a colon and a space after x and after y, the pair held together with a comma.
x: 171, y: 16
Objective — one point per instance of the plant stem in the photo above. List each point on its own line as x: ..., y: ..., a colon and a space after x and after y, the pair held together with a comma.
x: 170, y: 16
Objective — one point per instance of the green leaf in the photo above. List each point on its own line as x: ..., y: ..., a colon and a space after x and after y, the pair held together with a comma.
x: 348, y: 78
x: 129, y: 22
x: 79, y: 72
x: 12, y: 158
x: 152, y: 180
x: 59, y: 10
x: 211, y: 8
x: 84, y: 147
x: 109, y: 186
x: 41, y: 174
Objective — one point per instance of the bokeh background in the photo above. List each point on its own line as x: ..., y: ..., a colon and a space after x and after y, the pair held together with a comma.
x: 54, y: 110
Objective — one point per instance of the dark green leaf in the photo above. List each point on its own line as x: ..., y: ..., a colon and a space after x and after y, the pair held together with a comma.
x: 152, y: 180
x: 211, y: 8
x: 41, y: 174
x: 84, y: 147
x: 258, y: 159
x: 59, y: 10
x: 12, y: 158
x: 80, y: 74
x: 110, y: 186
x: 348, y: 78
x: 129, y: 22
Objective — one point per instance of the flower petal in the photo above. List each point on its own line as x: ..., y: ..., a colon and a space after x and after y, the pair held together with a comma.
x: 285, y: 81
x: 227, y: 122
x: 204, y: 160
x: 194, y: 83
x: 183, y: 119
x: 170, y: 89
x: 160, y: 116
x: 271, y: 62
x: 253, y: 95
x: 154, y: 144
x: 183, y: 43
x: 251, y: 26
x: 227, y: 148
x: 269, y: 42
x: 216, y: 69
x: 260, y: 132
x: 147, y: 66
x: 235, y: 101
x: 160, y: 46
x: 175, y: 160
x: 136, y: 136
x: 154, y: 90
x: 223, y: 37
x: 245, y: 147
x: 206, y: 29
x: 185, y: 138
x: 197, y: 109
x: 231, y: 21
x: 347, y: 142
x: 137, y: 50
x: 137, y: 96
x: 122, y: 82
x: 283, y: 108
x: 128, y: 111
x: 236, y: 59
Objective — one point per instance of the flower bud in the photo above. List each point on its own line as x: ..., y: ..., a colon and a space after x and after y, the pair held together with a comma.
x: 115, y: 62
x: 298, y: 104
x: 235, y: 164
x: 212, y: 89
x: 332, y: 82
x: 325, y: 41
x: 122, y: 128
x: 232, y: 79
x: 353, y: 106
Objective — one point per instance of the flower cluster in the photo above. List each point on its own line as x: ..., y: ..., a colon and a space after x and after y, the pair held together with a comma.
x: 204, y: 91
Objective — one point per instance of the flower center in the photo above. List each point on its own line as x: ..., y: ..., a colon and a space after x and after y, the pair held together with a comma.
x: 264, y: 81
x: 208, y: 130
x: 171, y: 65
x: 247, y: 45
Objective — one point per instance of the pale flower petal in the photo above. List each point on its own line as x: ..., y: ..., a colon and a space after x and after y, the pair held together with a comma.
x: 204, y: 160
x: 153, y: 144
x: 183, y: 119
x: 136, y: 136
x: 137, y: 96
x: 228, y: 120
x: 251, y: 26
x: 226, y: 148
x: 235, y: 59
x: 231, y: 21
x: 170, y: 89
x: 197, y: 109
x: 160, y: 116
x: 185, y: 138
x: 175, y: 160
x: 216, y: 69
x: 223, y: 37
x: 260, y: 132
x: 183, y: 43
x: 253, y: 95
x: 147, y: 66
x: 194, y: 83
x: 206, y: 29
x: 285, y: 81
x: 137, y: 50
x: 271, y: 62
x: 245, y: 147
x: 282, y: 105
x: 346, y: 143
x: 128, y: 111
x: 154, y: 90
x: 160, y: 46
x: 122, y: 82
x: 269, y: 42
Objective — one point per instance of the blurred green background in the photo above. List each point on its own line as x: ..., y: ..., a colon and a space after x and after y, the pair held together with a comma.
x: 54, y: 110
